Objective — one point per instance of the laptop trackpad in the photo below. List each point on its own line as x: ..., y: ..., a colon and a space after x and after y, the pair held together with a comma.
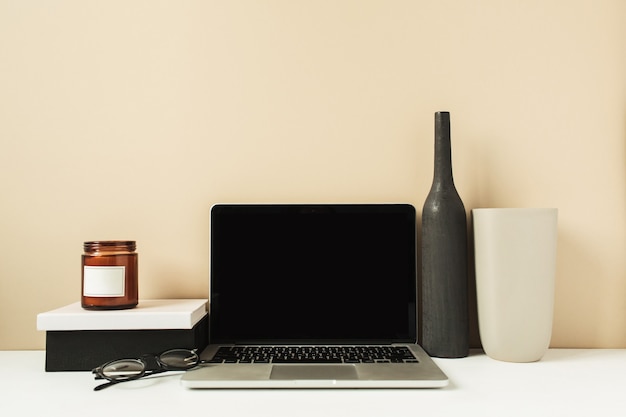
x: 313, y: 372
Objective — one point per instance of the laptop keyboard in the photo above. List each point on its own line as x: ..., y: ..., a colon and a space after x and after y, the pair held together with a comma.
x: 313, y: 354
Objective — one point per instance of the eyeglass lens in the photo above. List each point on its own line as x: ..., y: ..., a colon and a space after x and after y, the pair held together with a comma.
x: 123, y: 369
x: 178, y: 359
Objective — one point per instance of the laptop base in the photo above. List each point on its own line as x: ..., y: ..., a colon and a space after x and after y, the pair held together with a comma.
x: 424, y: 374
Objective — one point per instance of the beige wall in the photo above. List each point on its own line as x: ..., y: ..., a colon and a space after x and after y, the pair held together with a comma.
x: 128, y: 119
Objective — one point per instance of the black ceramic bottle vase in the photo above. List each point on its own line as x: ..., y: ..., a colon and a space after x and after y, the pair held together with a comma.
x: 445, y: 322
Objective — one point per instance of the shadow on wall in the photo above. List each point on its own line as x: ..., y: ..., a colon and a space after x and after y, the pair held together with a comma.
x: 580, y: 313
x: 474, y: 334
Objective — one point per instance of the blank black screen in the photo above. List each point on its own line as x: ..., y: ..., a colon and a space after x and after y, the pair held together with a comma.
x: 313, y: 274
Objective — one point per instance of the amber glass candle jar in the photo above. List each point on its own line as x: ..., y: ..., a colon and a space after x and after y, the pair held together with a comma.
x: 109, y: 275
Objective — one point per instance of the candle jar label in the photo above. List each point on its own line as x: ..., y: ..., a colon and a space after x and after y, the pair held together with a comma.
x: 104, y: 281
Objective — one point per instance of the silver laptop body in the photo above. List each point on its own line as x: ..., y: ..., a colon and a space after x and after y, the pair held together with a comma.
x: 328, y: 290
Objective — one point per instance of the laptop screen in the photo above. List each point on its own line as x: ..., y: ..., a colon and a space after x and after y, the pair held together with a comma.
x: 313, y: 274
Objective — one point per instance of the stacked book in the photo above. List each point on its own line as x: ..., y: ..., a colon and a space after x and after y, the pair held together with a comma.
x: 80, y: 340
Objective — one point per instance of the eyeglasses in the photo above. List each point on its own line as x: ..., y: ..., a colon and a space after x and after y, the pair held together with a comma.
x: 122, y: 370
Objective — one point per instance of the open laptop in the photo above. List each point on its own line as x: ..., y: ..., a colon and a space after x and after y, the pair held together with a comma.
x: 313, y: 296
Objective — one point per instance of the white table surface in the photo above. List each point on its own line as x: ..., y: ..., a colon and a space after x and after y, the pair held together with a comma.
x: 566, y: 382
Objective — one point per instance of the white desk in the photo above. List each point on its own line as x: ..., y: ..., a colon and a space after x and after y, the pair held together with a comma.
x: 565, y: 383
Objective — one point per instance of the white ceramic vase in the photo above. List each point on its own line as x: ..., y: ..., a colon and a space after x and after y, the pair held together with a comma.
x: 515, y: 254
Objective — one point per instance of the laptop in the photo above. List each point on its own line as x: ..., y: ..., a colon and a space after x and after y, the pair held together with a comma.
x: 313, y: 296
